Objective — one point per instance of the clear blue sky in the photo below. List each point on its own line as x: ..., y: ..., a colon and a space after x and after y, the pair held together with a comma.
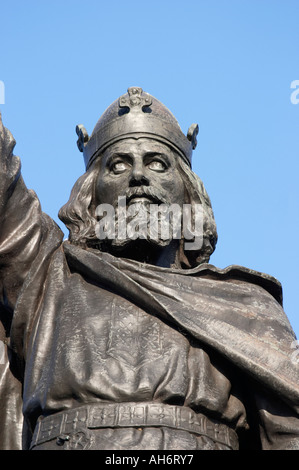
x: 226, y: 64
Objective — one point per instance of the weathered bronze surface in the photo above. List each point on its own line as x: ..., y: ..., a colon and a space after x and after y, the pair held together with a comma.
x: 133, y: 344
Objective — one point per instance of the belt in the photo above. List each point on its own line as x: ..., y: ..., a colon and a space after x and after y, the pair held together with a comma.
x: 123, y: 415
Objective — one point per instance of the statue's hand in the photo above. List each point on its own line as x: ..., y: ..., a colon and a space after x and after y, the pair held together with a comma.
x: 7, y: 144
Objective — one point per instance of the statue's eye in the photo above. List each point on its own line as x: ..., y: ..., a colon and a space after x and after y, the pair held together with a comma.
x: 157, y: 165
x: 119, y: 167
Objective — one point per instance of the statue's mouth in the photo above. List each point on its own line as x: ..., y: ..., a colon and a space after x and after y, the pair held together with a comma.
x: 142, y: 199
x: 144, y: 195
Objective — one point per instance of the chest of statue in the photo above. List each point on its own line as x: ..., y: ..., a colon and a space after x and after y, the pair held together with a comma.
x: 96, y: 345
x: 113, y: 329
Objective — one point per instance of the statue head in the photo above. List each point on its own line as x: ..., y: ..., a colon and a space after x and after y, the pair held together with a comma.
x: 138, y: 151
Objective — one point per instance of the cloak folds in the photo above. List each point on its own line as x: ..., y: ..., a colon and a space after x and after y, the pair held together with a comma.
x: 236, y: 311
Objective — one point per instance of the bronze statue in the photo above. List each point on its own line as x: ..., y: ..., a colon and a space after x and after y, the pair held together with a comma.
x: 135, y: 342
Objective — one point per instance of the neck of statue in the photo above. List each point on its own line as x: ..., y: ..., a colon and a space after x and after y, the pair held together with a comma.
x: 144, y: 252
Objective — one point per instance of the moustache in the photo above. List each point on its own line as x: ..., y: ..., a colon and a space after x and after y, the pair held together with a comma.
x: 145, y: 191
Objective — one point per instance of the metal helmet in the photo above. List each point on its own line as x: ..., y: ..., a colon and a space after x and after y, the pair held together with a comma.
x: 136, y: 114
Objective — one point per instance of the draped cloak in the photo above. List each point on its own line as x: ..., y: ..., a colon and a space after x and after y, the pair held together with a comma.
x: 81, y: 326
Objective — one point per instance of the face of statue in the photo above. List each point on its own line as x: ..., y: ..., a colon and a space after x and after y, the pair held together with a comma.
x: 143, y: 170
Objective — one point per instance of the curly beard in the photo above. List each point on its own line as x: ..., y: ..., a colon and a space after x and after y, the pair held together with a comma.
x: 148, y: 219
x: 143, y: 223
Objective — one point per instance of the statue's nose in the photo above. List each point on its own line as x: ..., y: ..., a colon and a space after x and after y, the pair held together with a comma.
x: 138, y: 177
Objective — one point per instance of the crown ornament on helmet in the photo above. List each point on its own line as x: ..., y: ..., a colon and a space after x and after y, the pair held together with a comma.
x: 136, y: 114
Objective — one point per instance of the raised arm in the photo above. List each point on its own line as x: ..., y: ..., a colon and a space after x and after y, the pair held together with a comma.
x: 22, y: 223
x: 26, y: 233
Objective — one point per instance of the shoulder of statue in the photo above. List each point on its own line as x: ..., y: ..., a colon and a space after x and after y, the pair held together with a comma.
x: 236, y: 273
